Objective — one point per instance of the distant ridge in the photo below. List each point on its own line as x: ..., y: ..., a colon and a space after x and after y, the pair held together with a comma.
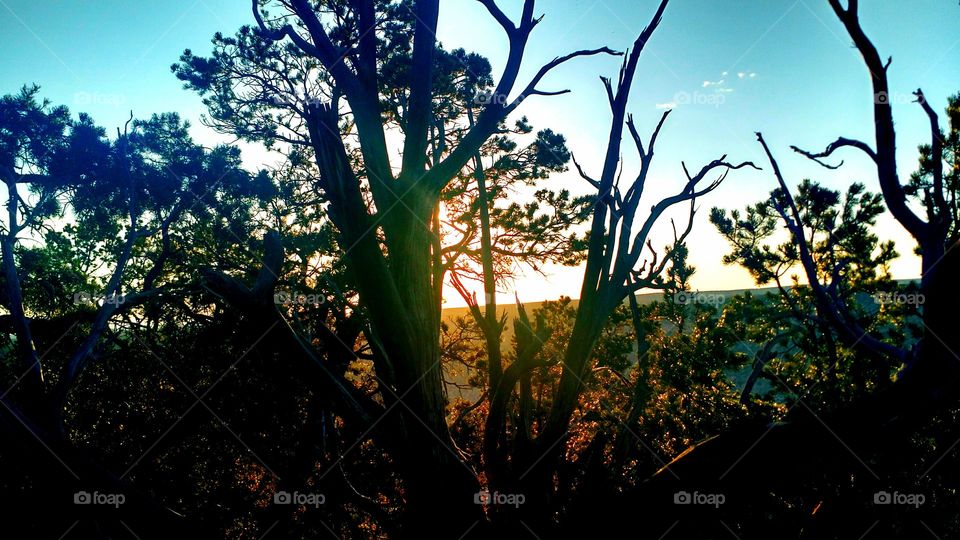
x: 472, y: 394
x: 642, y: 298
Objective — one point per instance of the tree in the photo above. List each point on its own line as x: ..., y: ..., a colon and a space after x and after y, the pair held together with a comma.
x: 849, y: 259
x: 397, y: 272
x: 926, y: 383
x: 332, y: 81
x: 128, y: 201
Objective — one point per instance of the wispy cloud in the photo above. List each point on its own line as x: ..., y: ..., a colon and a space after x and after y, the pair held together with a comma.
x: 721, y: 85
x: 712, y: 93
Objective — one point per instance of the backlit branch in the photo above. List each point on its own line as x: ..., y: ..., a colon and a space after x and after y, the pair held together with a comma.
x: 850, y: 332
x: 832, y: 147
x: 886, y: 137
x: 936, y: 157
x: 498, y: 108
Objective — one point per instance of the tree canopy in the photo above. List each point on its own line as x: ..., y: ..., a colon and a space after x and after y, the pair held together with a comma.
x: 193, y: 347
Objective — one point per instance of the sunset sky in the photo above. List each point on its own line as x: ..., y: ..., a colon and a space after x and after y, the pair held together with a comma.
x: 783, y: 67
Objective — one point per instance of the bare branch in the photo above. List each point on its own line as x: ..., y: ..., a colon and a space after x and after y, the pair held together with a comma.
x: 584, y: 175
x: 936, y: 156
x: 499, y: 15
x: 497, y: 110
x: 886, y: 136
x: 636, y: 137
x: 531, y: 88
x: 608, y: 86
x: 850, y: 332
x: 656, y: 132
x: 689, y: 192
x: 832, y: 147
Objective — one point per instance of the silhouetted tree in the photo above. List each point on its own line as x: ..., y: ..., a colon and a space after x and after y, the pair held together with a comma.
x: 131, y: 202
x: 884, y: 420
x: 334, y: 82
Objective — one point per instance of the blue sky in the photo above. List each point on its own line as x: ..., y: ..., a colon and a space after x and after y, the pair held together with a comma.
x: 729, y: 67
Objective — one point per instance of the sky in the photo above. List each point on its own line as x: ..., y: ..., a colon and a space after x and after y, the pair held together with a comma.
x: 727, y: 68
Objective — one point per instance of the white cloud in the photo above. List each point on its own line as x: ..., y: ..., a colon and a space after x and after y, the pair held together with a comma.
x: 714, y: 93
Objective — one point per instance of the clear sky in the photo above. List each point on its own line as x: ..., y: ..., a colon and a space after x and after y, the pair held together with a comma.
x: 728, y: 68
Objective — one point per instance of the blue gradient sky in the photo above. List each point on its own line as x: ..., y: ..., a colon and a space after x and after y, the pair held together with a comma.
x: 801, y: 83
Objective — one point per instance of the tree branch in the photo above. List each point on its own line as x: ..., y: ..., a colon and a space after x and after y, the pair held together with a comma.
x: 936, y: 157
x: 832, y: 147
x: 886, y: 136
x: 846, y: 327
